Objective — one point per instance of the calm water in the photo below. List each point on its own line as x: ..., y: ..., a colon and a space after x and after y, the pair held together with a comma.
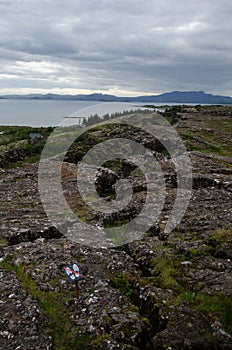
x: 53, y: 113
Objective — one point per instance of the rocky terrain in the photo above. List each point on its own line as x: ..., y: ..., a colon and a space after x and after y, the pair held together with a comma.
x: 160, y: 292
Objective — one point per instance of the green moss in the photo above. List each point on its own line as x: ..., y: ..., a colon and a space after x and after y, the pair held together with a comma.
x: 165, y: 272
x: 123, y: 282
x: 83, y: 211
x: 82, y: 214
x: 99, y: 341
x: 217, y: 305
x: 222, y: 235
x: 199, y: 252
x: 187, y: 135
x: 200, y: 286
x: 187, y: 296
x: 193, y: 147
x: 3, y: 243
x: 82, y: 342
x: 191, y: 235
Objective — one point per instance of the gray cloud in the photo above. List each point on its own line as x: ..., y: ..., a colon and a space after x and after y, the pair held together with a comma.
x: 149, y: 47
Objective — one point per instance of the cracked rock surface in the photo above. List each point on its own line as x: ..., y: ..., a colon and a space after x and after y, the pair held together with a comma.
x: 159, y: 292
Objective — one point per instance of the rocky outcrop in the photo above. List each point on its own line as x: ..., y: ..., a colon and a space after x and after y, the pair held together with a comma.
x: 22, y: 320
x: 12, y: 156
x: 160, y: 292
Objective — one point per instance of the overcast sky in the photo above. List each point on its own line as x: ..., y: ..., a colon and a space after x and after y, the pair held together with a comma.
x: 122, y: 47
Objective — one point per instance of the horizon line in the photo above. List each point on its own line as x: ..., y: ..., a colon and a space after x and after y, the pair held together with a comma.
x: 109, y: 94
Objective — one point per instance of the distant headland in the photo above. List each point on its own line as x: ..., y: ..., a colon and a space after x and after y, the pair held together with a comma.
x: 197, y: 97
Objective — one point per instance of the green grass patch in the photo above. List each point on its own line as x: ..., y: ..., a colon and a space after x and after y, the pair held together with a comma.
x: 222, y: 235
x: 188, y: 296
x: 199, y: 252
x: 124, y: 282
x: 216, y: 305
x: 165, y: 272
x: 18, y: 138
x: 17, y: 133
x: 187, y: 135
x: 194, y: 147
x: 227, y: 125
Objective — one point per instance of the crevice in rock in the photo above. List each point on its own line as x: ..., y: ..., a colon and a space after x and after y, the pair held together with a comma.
x: 220, y: 254
x: 201, y: 181
x: 149, y: 310
x: 30, y: 236
x: 217, y: 251
x: 147, y: 307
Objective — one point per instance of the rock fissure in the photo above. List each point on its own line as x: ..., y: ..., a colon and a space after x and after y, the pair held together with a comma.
x: 158, y: 292
x: 30, y: 236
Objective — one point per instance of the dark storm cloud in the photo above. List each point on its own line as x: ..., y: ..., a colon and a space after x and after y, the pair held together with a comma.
x: 150, y: 46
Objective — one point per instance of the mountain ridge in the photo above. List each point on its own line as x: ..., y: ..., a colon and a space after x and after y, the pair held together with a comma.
x: 168, y: 97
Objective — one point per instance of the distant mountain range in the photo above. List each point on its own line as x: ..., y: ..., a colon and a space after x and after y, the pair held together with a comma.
x: 195, y: 97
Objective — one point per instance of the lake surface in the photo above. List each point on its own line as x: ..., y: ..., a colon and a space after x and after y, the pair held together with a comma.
x: 53, y: 113
x: 57, y: 112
